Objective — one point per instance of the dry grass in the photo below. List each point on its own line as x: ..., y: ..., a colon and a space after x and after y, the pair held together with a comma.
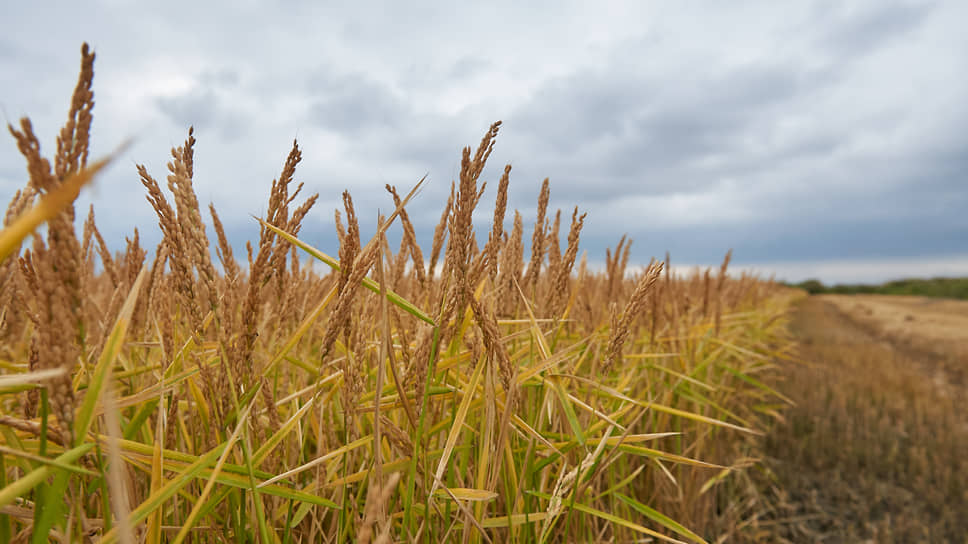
x: 936, y: 329
x: 387, y: 400
x: 874, y: 450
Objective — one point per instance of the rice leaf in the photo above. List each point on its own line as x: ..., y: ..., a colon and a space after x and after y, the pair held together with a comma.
x: 159, y: 497
x: 458, y: 423
x: 102, y: 371
x: 614, y: 519
x: 25, y: 483
x: 660, y: 518
x: 467, y: 494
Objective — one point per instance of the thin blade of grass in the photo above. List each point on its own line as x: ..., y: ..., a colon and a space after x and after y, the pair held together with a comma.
x: 514, y: 520
x: 458, y: 424
x: 467, y: 494
x: 665, y: 409
x: 535, y: 330
x: 614, y: 519
x: 660, y: 518
x: 758, y: 384
x: 24, y: 484
x: 117, y: 471
x: 200, y: 500
x: 569, y: 409
x: 102, y: 371
x: 45, y: 461
x: 154, y: 520
x: 321, y: 459
x: 157, y: 499
x: 30, y: 378
x: 649, y: 452
x: 286, y: 428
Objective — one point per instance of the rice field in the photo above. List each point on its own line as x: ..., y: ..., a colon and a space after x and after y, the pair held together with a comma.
x: 489, y: 388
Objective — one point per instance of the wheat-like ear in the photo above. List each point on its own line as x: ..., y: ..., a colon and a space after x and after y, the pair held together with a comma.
x: 224, y: 249
x: 440, y: 232
x: 620, y: 333
x: 497, y: 228
x: 554, y: 245
x: 22, y: 200
x: 538, y: 239
x: 181, y: 185
x: 173, y: 238
x: 512, y: 263
x: 705, y: 292
x: 459, y: 248
x: 41, y: 178
x: 56, y: 265
x: 562, y: 272
x: 614, y: 267
x: 349, y: 247
x: 73, y: 140
x: 409, y: 237
x: 278, y: 214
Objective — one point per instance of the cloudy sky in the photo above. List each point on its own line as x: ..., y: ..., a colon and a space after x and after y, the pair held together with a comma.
x: 817, y: 139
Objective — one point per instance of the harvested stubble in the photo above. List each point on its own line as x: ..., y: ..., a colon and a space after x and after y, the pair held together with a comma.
x: 477, y: 400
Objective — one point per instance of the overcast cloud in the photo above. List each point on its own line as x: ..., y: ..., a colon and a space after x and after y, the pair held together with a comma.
x: 815, y: 138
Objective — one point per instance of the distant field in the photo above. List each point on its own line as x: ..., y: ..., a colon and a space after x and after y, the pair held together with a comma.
x: 873, y: 450
x: 928, y: 318
x: 935, y: 328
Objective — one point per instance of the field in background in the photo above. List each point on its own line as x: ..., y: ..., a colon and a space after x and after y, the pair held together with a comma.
x: 933, y: 330
x: 935, y: 325
x: 874, y: 449
x: 503, y: 395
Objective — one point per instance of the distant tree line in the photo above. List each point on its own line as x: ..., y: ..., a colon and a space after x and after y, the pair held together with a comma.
x: 934, y: 287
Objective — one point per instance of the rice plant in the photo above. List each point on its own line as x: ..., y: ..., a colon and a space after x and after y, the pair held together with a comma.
x: 487, y: 394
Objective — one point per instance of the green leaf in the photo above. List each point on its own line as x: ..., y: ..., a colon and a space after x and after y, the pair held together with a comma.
x: 613, y: 518
x: 85, y: 416
x: 570, y: 414
x: 22, y: 485
x: 660, y: 518
x: 167, y: 491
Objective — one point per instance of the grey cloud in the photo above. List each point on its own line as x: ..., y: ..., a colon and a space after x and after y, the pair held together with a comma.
x: 201, y: 108
x: 780, y: 241
x: 353, y: 104
x: 468, y: 66
x: 8, y: 50
x: 195, y: 107
x: 223, y: 77
x: 865, y: 29
x: 634, y: 134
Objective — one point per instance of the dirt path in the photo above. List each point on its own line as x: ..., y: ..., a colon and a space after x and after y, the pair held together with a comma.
x: 875, y: 449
